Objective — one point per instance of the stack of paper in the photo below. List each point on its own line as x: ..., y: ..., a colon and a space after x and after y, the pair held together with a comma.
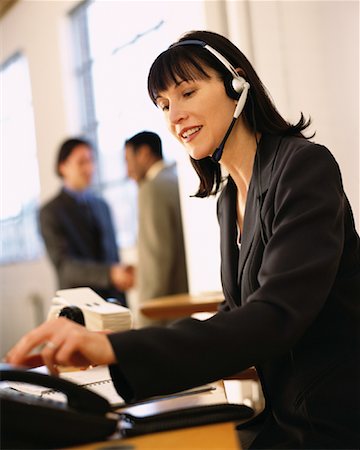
x: 98, y: 314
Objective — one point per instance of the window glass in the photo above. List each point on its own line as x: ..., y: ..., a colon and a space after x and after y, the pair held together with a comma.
x: 116, y: 45
x: 20, y: 187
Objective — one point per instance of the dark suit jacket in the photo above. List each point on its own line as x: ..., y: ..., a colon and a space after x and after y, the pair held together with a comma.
x: 80, y: 241
x: 292, y: 309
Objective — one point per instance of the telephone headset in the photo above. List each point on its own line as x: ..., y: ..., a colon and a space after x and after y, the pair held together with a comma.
x: 238, y: 85
x: 237, y: 88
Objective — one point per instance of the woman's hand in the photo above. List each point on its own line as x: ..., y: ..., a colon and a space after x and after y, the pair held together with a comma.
x: 64, y: 343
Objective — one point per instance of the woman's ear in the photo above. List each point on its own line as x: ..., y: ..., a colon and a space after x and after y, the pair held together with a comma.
x: 241, y: 72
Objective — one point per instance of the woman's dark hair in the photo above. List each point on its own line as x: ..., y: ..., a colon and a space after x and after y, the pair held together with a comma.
x: 189, y: 62
x: 65, y: 150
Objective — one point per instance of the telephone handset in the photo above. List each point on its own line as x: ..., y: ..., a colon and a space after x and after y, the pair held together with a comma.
x: 28, y: 421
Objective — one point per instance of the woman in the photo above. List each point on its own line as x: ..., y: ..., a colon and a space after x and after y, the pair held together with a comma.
x: 290, y: 262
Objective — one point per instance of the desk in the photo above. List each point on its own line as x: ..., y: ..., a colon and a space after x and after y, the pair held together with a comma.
x: 181, y: 305
x: 220, y: 436
x: 207, y: 437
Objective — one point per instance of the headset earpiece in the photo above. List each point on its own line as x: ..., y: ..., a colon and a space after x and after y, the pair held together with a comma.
x: 238, y: 84
x: 234, y: 86
x: 242, y: 99
x: 237, y: 88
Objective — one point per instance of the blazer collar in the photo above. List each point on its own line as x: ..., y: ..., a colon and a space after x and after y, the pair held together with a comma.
x: 265, y: 158
x: 259, y: 185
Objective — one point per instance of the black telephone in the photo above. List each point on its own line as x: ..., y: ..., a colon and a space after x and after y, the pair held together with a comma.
x: 28, y: 421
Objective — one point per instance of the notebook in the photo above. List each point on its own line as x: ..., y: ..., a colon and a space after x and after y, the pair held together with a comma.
x: 96, y: 379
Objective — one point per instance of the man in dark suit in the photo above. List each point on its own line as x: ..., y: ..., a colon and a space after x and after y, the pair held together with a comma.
x: 78, y: 231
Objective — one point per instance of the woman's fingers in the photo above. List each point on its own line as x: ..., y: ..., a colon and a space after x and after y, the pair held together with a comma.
x: 34, y: 361
x: 48, y: 354
x: 50, y: 335
x: 63, y: 343
x: 73, y: 352
x: 20, y: 353
x: 83, y: 350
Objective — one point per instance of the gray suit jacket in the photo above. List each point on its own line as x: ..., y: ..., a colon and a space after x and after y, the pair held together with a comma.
x: 162, y: 266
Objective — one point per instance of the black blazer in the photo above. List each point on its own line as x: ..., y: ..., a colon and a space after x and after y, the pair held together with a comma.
x: 80, y: 240
x: 291, y: 309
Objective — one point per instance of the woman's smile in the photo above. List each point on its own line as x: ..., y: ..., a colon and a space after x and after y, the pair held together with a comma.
x: 187, y: 134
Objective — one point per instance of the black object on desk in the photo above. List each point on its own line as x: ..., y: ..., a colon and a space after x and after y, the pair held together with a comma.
x: 132, y: 425
x: 29, y: 421
x: 73, y: 313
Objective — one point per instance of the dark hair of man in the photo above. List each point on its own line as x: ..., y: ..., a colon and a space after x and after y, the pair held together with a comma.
x: 152, y: 140
x: 189, y: 62
x: 66, y: 148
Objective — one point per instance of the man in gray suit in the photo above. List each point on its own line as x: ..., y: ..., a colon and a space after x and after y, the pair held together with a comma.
x: 161, y: 253
x: 78, y: 231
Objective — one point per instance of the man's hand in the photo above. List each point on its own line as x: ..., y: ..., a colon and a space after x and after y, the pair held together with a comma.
x: 122, y: 276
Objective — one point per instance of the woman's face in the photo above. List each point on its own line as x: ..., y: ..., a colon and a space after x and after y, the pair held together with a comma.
x: 198, y: 113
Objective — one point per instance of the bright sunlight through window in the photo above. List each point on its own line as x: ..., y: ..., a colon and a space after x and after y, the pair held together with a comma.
x: 18, y: 165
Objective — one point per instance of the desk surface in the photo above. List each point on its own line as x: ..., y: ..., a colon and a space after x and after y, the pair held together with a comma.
x: 181, y: 305
x: 210, y: 437
x: 221, y: 436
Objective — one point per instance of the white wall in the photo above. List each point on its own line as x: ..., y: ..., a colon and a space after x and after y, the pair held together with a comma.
x: 36, y: 28
x: 307, y: 54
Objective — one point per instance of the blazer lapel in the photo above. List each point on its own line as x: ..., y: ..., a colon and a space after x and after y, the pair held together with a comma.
x: 265, y: 158
x: 229, y: 249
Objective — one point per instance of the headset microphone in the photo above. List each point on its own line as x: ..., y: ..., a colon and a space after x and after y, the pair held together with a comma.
x: 237, y: 86
x: 216, y: 156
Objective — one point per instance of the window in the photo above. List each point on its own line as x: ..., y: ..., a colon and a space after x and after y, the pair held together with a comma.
x: 116, y: 43
x: 20, y: 188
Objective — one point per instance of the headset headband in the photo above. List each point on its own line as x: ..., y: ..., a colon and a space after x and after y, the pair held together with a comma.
x: 217, y: 55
